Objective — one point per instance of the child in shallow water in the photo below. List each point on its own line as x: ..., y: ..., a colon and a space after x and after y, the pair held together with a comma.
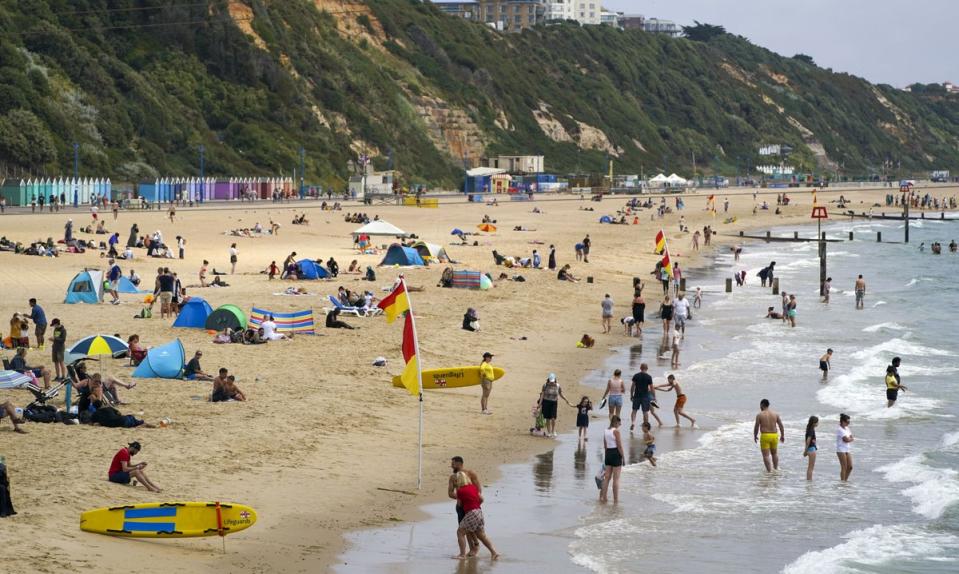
x: 650, y: 441
x: 582, y: 416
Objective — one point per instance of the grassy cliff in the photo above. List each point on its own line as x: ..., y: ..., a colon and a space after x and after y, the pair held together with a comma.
x: 140, y: 85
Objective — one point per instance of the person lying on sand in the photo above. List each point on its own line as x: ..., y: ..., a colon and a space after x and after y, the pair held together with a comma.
x: 8, y: 410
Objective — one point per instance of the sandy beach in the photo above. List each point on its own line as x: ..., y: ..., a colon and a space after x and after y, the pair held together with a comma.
x: 325, y: 444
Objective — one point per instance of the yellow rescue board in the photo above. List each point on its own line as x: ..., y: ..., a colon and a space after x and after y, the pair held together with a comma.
x: 169, y: 519
x: 451, y: 378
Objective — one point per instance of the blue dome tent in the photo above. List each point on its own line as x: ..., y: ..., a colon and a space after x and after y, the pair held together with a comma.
x: 605, y: 219
x: 127, y: 286
x: 163, y: 362
x: 402, y: 256
x: 85, y: 287
x: 193, y: 314
x: 307, y: 269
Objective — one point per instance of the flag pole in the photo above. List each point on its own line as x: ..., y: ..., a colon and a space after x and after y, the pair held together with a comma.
x: 419, y: 386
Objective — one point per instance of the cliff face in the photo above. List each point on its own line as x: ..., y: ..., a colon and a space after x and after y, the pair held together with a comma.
x: 255, y: 80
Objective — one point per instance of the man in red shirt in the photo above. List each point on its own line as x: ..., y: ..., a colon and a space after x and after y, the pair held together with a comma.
x: 121, y: 470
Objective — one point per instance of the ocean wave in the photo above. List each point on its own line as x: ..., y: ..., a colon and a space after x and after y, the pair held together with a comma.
x: 950, y: 439
x: 891, y: 326
x: 874, y: 546
x: 934, y: 489
x: 917, y: 280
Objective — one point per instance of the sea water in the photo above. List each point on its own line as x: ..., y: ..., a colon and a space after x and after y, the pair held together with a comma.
x: 713, y: 508
x: 710, y: 506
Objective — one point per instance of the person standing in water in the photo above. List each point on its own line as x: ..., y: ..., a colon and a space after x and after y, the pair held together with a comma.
x: 810, y: 448
x: 764, y: 433
x: 673, y: 385
x: 825, y: 363
x: 893, y: 383
x: 826, y: 289
x: 791, y: 310
x: 613, y: 445
x: 843, y: 447
x: 649, y: 453
x: 860, y: 292
x: 456, y: 464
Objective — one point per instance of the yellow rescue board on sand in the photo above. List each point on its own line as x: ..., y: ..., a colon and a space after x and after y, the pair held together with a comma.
x: 451, y: 378
x: 169, y: 519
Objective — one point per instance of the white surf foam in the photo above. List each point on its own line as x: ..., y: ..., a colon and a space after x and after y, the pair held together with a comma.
x: 951, y: 439
x: 933, y: 490
x: 890, y: 326
x: 874, y: 546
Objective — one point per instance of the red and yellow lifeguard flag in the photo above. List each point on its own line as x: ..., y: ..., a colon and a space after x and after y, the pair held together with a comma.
x: 660, y: 242
x: 410, y: 377
x: 396, y: 303
x: 667, y: 263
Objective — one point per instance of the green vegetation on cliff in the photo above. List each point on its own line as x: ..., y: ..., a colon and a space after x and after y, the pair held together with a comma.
x: 141, y: 84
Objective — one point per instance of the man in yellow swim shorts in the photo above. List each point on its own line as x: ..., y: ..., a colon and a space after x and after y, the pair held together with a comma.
x: 765, y: 433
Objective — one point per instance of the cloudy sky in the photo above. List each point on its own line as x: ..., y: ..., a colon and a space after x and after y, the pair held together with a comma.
x: 896, y: 42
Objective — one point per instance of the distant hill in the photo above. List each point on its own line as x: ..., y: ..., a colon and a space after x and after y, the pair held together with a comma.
x: 141, y: 84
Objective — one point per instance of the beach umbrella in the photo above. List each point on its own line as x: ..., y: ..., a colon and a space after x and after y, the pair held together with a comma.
x: 96, y: 345
x: 488, y: 227
x: 13, y: 379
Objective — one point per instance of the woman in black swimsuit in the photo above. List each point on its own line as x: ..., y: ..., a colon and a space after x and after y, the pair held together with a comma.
x: 666, y: 312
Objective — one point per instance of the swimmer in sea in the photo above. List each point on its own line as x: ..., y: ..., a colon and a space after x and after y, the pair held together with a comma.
x: 764, y: 433
x: 825, y: 364
x: 770, y: 314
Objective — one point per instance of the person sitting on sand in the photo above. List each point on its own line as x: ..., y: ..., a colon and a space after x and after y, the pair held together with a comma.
x: 470, y: 500
x: 8, y: 410
x: 269, y: 330
x: 137, y: 351
x: 19, y: 363
x: 225, y: 389
x: 122, y: 472
x: 193, y: 372
x: 354, y: 268
x: 471, y: 320
x: 586, y: 342
x: 565, y: 275
x: 333, y: 321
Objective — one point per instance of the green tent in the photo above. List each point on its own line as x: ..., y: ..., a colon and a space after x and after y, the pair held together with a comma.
x: 226, y: 316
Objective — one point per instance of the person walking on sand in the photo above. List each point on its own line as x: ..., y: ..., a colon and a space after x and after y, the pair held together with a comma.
x: 844, y: 440
x: 121, y: 471
x: 607, y: 305
x: 469, y: 497
x: 893, y: 383
x: 113, y: 276
x: 486, y: 382
x: 233, y: 258
x: 860, y: 292
x: 825, y: 363
x: 587, y: 243
x: 696, y: 236
x: 764, y: 433
x: 172, y: 212
x: 615, y: 391
x: 613, y: 459
x: 551, y: 261
x: 181, y: 245
x: 809, y: 448
x: 673, y: 385
x: 456, y: 464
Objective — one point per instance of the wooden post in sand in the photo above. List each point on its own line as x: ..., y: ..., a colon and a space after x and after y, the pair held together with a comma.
x: 682, y: 284
x: 768, y: 235
x: 741, y: 232
x: 795, y: 235
x: 775, y: 285
x: 850, y: 236
x: 729, y: 285
x: 879, y: 236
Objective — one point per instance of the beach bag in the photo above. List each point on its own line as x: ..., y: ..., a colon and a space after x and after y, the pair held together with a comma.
x: 599, y: 476
x: 41, y: 414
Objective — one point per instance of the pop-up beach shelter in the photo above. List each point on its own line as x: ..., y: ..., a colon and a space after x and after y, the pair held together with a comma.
x: 605, y: 219
x: 431, y: 251
x: 85, y: 287
x: 380, y: 228
x: 309, y: 269
x: 193, y: 314
x: 163, y: 362
x: 403, y: 256
x: 226, y: 316
x: 127, y: 286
